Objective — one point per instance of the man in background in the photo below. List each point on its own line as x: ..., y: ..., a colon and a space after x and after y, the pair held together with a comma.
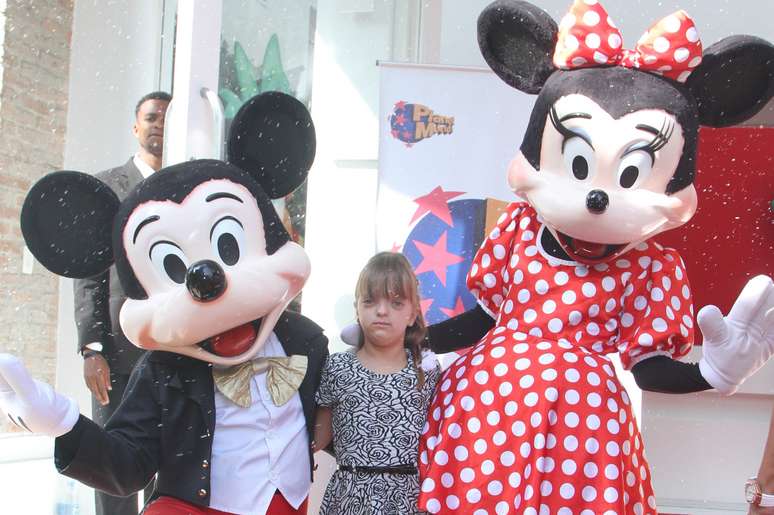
x: 108, y: 357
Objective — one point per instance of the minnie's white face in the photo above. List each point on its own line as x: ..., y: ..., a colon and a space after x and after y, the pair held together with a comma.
x: 204, y: 266
x: 601, y: 185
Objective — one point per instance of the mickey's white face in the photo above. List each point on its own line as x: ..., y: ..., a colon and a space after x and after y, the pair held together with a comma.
x: 601, y: 185
x: 204, y: 266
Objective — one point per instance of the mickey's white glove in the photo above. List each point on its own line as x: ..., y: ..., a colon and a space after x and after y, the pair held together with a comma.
x: 351, y: 334
x: 737, y: 345
x: 33, y: 405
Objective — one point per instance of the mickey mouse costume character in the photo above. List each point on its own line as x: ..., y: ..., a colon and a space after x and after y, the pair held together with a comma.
x: 222, y: 409
x: 533, y: 419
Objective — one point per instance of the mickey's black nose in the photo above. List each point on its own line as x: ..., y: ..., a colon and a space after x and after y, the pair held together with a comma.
x: 205, y: 280
x: 597, y: 201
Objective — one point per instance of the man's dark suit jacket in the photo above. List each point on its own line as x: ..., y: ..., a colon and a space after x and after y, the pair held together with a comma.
x: 166, y: 422
x: 98, y: 299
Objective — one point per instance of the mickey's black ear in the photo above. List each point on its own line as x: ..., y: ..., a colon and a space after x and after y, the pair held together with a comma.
x: 517, y: 41
x: 272, y: 137
x: 734, y: 80
x: 67, y: 223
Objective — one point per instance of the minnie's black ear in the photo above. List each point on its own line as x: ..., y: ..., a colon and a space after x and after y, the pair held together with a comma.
x: 67, y: 223
x: 517, y: 41
x: 272, y: 138
x: 734, y: 80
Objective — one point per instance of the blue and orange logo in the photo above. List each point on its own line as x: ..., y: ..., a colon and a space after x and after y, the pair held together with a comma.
x: 411, y: 123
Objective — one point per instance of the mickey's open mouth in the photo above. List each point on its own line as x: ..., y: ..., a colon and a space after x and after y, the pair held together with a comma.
x: 233, y: 342
x: 587, y: 251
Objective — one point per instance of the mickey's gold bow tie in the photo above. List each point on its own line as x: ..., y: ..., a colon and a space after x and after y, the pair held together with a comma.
x: 283, y: 377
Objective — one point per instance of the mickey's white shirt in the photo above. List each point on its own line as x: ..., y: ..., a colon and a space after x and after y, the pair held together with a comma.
x: 260, y: 449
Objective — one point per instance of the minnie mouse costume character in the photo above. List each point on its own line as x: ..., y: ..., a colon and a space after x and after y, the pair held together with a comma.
x: 222, y: 408
x: 533, y: 419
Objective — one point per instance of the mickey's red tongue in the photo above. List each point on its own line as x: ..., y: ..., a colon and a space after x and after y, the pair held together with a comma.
x: 588, y: 249
x: 234, y: 341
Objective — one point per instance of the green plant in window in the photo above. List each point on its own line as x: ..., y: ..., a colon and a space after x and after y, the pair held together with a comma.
x: 239, y: 78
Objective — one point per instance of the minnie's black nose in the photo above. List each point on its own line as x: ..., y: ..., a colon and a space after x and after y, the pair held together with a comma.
x: 205, y: 280
x: 597, y: 201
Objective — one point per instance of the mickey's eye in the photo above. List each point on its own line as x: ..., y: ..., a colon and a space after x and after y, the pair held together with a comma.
x: 228, y: 237
x: 634, y: 168
x: 170, y: 260
x: 578, y: 158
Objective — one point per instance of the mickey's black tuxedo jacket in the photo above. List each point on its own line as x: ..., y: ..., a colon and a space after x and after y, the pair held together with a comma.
x: 166, y: 421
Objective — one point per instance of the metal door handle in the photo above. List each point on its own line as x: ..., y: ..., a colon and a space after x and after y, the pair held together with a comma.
x: 216, y: 107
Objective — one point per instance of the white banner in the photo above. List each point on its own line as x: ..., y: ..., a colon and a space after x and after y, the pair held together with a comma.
x: 447, y: 135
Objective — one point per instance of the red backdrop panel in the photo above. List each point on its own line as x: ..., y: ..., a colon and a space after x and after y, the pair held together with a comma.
x: 731, y: 237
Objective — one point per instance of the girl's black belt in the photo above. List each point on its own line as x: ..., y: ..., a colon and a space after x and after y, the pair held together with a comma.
x: 393, y: 469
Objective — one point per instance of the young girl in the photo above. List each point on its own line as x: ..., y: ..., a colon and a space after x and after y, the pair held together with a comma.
x: 373, y: 402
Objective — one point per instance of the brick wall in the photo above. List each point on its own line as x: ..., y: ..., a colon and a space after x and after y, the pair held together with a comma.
x: 33, y: 116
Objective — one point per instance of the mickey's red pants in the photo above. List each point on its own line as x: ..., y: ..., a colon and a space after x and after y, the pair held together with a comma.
x: 172, y: 506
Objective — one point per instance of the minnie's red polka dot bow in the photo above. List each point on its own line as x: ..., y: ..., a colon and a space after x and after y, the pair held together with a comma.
x: 588, y: 37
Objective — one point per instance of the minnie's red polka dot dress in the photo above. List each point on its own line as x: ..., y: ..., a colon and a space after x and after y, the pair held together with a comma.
x: 533, y: 420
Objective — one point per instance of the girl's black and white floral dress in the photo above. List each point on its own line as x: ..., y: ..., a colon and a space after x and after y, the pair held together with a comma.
x: 377, y: 419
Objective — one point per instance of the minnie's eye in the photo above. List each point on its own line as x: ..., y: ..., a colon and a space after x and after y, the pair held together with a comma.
x: 578, y: 158
x: 228, y: 240
x: 170, y: 260
x: 634, y: 168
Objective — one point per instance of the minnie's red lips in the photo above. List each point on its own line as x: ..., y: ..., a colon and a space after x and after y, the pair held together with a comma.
x: 587, y: 250
x: 235, y: 341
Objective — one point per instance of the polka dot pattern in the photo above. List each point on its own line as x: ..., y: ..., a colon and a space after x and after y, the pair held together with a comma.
x: 542, y: 423
x: 587, y: 37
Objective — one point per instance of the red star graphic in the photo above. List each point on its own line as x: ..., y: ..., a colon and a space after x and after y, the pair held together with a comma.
x: 458, y: 309
x: 400, y: 104
x: 436, y: 259
x: 409, y: 145
x: 395, y: 246
x: 394, y: 133
x: 406, y: 134
x: 400, y: 119
x: 424, y: 305
x: 437, y: 203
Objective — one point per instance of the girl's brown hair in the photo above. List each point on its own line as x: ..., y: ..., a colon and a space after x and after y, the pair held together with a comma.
x: 389, y: 274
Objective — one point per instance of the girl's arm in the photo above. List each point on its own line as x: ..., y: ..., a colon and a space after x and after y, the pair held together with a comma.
x: 459, y: 332
x: 664, y: 375
x: 323, y: 428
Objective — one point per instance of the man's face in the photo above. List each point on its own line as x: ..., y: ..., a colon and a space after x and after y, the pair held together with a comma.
x: 149, y: 126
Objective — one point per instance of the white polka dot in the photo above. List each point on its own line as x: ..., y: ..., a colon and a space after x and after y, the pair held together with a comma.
x: 549, y: 307
x: 571, y: 419
x: 514, y: 479
x: 657, y: 294
x: 592, y: 328
x: 611, y: 494
x: 428, y: 485
x: 686, y: 292
x: 575, y: 317
x: 534, y: 267
x: 570, y: 443
x: 567, y: 491
x: 592, y: 40
x: 493, y: 418
x: 594, y: 310
x: 527, y: 236
x: 600, y: 58
x: 461, y: 453
x: 489, y: 280
x: 612, y: 448
x: 522, y: 364
x: 659, y: 324
x: 569, y: 467
x: 555, y: 325
x: 467, y: 403
x: 480, y: 446
x: 525, y: 449
x: 474, y: 425
x: 590, y: 18
x: 518, y: 276
x: 567, y: 22
x: 590, y: 470
x: 640, y: 303
x: 688, y: 321
x: 572, y: 375
x: 588, y: 289
x: 499, y: 438
x: 692, y: 35
x: 495, y: 488
x: 441, y: 458
x: 473, y: 495
x: 487, y: 397
x: 627, y: 320
x: 518, y: 428
x: 594, y: 400
x: 561, y: 278
x: 592, y: 422
x: 546, y: 488
x: 546, y: 359
x: 481, y: 377
x: 535, y: 419
x: 549, y: 374
x: 531, y: 399
x: 498, y: 251
x: 523, y: 296
x: 433, y: 506
x: 589, y: 493
x: 614, y: 41
x: 623, y: 263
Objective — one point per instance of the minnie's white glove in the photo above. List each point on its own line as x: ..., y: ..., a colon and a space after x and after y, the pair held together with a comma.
x: 739, y: 344
x: 350, y: 334
x: 33, y: 405
x: 429, y: 360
